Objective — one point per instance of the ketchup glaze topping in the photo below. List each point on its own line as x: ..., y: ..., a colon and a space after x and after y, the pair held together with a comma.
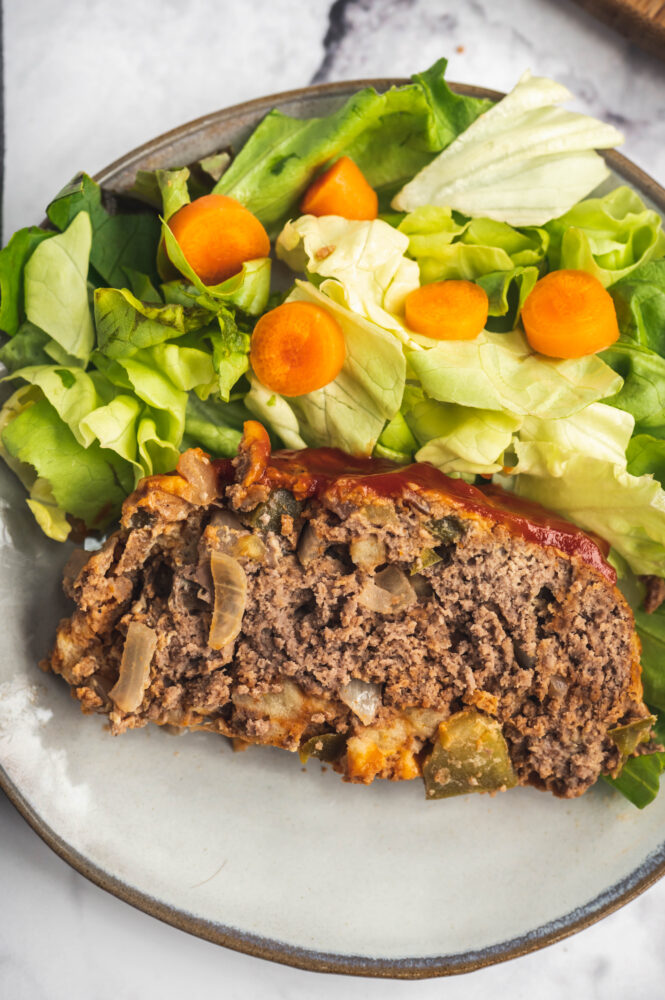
x: 320, y: 472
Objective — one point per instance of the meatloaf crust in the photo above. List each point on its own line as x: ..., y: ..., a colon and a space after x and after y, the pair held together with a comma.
x: 394, y: 622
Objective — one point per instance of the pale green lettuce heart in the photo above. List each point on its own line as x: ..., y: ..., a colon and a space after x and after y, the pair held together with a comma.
x: 363, y: 263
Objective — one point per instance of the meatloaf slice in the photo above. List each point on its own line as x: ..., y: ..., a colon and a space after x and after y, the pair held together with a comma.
x: 390, y: 620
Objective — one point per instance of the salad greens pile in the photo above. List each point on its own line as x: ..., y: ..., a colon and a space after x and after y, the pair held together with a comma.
x: 124, y: 357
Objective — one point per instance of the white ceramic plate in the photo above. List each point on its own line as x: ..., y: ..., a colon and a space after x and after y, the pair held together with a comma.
x: 249, y: 851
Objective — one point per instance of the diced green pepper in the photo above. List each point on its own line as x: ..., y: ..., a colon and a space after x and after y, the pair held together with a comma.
x: 630, y: 736
x: 428, y: 557
x: 327, y: 747
x: 268, y: 516
x: 449, y: 529
x: 469, y: 755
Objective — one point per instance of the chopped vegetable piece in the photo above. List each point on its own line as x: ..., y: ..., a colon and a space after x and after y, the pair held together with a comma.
x: 217, y: 235
x: 341, y: 190
x: 268, y: 516
x: 140, y: 644
x: 363, y: 698
x: 569, y: 315
x: 447, y: 310
x: 629, y: 737
x: 469, y: 755
x: 297, y: 348
x: 448, y: 529
x: 230, y: 585
x: 368, y: 552
x: 328, y: 747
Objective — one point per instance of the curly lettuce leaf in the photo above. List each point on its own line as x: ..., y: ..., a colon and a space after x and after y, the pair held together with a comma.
x: 524, y: 161
x: 608, y: 237
x: 500, y: 372
x: 390, y: 136
x: 125, y: 324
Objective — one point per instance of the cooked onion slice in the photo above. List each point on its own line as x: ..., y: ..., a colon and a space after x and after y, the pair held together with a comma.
x: 195, y: 466
x: 310, y: 546
x: 368, y: 552
x: 390, y: 591
x: 362, y: 698
x: 230, y: 584
x: 250, y: 547
x: 127, y: 692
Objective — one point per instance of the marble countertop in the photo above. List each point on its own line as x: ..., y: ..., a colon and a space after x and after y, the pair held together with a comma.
x: 86, y: 81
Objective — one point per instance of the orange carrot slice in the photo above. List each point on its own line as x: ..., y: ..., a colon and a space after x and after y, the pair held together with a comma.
x: 297, y: 348
x: 217, y: 235
x: 569, y: 314
x: 447, y: 310
x: 341, y: 190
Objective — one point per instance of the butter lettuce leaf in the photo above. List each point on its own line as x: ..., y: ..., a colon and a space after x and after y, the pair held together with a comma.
x: 27, y: 347
x: 125, y: 324
x: 577, y: 467
x: 500, y: 372
x: 608, y: 237
x: 646, y: 457
x: 56, y: 290
x: 275, y: 413
x: 89, y: 483
x: 214, y: 426
x: 447, y: 248
x: 459, y: 440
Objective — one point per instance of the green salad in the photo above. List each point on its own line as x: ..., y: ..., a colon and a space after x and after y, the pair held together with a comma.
x: 121, y: 356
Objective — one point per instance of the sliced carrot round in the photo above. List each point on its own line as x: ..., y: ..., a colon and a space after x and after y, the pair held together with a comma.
x: 217, y: 235
x: 297, y: 348
x: 569, y: 314
x: 447, y: 310
x: 341, y: 190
